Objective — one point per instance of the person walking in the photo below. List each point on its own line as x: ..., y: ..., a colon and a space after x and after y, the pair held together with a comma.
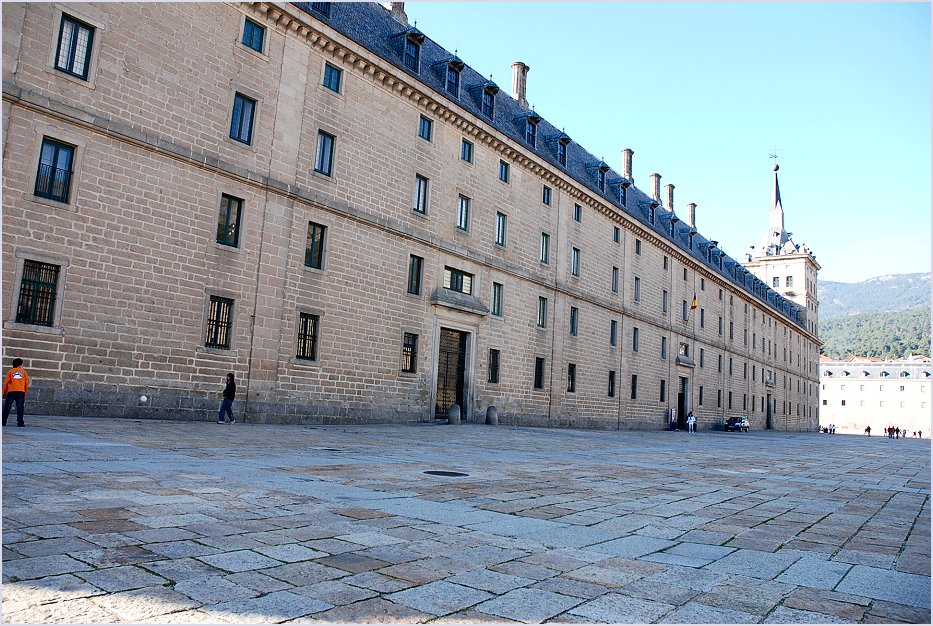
x: 868, y: 430
x: 226, y: 407
x: 691, y: 422
x: 15, y: 388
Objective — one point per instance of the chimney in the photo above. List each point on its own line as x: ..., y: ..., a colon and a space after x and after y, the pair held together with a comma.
x: 655, y: 186
x: 627, y: 163
x: 669, y: 192
x: 692, y: 214
x: 519, y: 79
x: 397, y: 10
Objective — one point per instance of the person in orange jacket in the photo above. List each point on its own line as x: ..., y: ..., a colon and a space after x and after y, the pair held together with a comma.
x: 15, y: 388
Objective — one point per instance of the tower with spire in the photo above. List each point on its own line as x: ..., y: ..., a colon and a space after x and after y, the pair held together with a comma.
x: 788, y: 268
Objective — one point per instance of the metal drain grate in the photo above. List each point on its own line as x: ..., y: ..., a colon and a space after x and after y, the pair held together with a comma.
x: 444, y: 473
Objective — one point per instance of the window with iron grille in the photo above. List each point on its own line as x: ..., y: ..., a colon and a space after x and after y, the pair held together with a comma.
x: 458, y: 280
x: 415, y: 269
x: 539, y: 373
x: 501, y: 226
x: 574, y: 319
x: 38, y: 290
x: 421, y: 194
x: 493, y: 376
x: 219, y: 323
x: 75, y: 41
x: 542, y: 312
x: 332, y: 77
x: 412, y: 54
x: 466, y: 151
x: 324, y: 159
x: 488, y: 103
x: 410, y: 353
x: 496, y: 299
x: 503, y: 171
x: 453, y: 81
x: 307, y: 336
x: 253, y: 35
x: 571, y: 378
x: 241, y: 122
x: 545, y: 248
x: 53, y: 180
x: 463, y: 214
x: 612, y: 384
x: 228, y: 220
x: 314, y: 248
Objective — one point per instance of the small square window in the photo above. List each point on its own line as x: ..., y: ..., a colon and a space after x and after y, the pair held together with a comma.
x: 314, y: 249
x: 241, y: 122
x: 493, y: 375
x: 219, y: 323
x: 38, y: 291
x: 503, y: 171
x: 324, y: 159
x: 228, y: 221
x: 307, y: 337
x: 410, y: 353
x: 53, y: 180
x: 425, y: 128
x: 332, y: 77
x: 75, y: 42
x: 253, y: 35
x: 546, y: 195
x: 466, y: 151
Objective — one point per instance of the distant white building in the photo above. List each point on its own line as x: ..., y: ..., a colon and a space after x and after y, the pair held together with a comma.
x: 865, y: 391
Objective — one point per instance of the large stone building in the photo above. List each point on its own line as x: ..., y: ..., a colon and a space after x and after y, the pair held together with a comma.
x: 864, y: 391
x: 323, y: 200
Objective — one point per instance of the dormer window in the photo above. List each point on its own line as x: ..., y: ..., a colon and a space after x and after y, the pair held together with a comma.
x: 601, y: 179
x: 452, y: 84
x: 674, y: 220
x: 562, y: 142
x: 531, y: 131
x: 650, y: 213
x: 321, y: 7
x: 489, y: 100
x: 412, y: 56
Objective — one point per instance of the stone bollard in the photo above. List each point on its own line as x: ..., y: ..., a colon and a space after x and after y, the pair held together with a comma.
x: 453, y: 415
x: 492, y: 416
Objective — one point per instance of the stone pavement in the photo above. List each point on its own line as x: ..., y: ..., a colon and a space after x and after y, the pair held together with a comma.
x: 194, y: 522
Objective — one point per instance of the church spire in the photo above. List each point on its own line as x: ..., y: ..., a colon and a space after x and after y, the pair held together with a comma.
x: 776, y: 237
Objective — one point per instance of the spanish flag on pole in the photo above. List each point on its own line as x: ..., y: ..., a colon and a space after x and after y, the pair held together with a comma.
x: 694, y: 304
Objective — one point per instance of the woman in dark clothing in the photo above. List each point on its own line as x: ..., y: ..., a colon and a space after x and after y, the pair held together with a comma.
x: 227, y: 405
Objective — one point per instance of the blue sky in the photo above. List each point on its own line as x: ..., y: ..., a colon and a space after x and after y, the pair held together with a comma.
x: 704, y: 92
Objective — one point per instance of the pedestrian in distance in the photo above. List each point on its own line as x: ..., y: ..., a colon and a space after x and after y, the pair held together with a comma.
x: 868, y: 430
x: 691, y: 422
x: 920, y: 434
x: 897, y: 433
x: 226, y: 407
x: 15, y: 388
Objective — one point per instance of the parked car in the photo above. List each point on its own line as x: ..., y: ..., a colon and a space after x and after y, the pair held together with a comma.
x: 736, y: 423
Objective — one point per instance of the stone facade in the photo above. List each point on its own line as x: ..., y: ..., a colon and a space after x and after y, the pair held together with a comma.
x: 140, y: 256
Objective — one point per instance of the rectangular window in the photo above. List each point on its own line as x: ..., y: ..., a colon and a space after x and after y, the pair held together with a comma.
x: 542, y: 312
x: 574, y: 318
x: 219, y: 321
x: 663, y: 395
x: 489, y: 103
x: 38, y: 290
x: 545, y: 248
x: 503, y: 171
x: 665, y: 263
x: 615, y: 279
x: 307, y: 337
x: 731, y: 331
x: 75, y: 40
x: 463, y: 214
x: 685, y: 273
x: 719, y: 363
x: 546, y: 195
x: 531, y: 132
x: 702, y: 318
x: 685, y: 312
x: 601, y: 179
x: 321, y: 7
x: 665, y: 301
x: 415, y: 270
x: 701, y: 396
x: 253, y: 35
x: 702, y: 356
x: 575, y: 262
x: 466, y: 151
x: 412, y: 54
x: 458, y: 280
x: 562, y: 153
x: 719, y: 398
x: 493, y: 375
x: 634, y: 395
x: 332, y: 77
x: 637, y: 291
x: 324, y: 160
x: 612, y: 384
x: 720, y: 326
x: 314, y: 249
x: 228, y: 220
x: 571, y: 378
x: 452, y: 84
x: 616, y: 234
x: 421, y: 195
x: 613, y: 331
x: 241, y: 122
x: 501, y: 226
x: 663, y: 347
x: 577, y: 212
x: 53, y: 180
x: 638, y: 246
x: 635, y: 339
x: 410, y: 353
x: 789, y: 281
x: 776, y: 281
x: 539, y: 373
x: 425, y: 128
x: 497, y: 299
x: 730, y: 400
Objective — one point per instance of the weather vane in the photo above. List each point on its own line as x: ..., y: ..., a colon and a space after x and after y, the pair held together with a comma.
x: 774, y: 155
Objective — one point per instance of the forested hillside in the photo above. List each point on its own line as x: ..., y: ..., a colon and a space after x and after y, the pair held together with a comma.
x: 894, y: 292
x: 887, y: 335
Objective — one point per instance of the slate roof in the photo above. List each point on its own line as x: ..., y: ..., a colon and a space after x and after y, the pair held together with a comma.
x: 370, y: 25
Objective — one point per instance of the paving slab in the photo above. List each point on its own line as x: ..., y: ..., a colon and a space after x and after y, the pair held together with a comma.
x: 613, y: 608
x: 528, y: 605
x: 754, y: 563
x: 439, y: 598
x: 815, y: 573
x: 695, y: 612
x: 882, y: 584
